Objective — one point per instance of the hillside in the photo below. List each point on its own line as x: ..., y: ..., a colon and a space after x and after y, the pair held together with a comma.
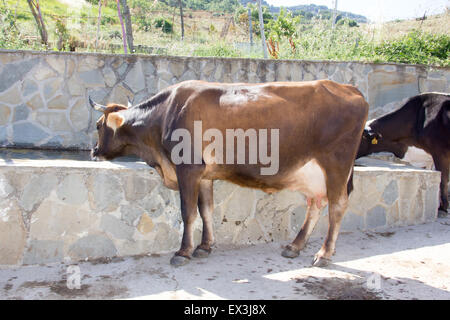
x: 436, y: 24
x: 312, y: 10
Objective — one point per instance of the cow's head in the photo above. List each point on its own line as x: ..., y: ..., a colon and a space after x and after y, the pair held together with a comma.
x: 373, y: 141
x: 112, y: 133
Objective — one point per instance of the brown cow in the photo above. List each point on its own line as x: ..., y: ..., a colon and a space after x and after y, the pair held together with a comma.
x: 317, y: 128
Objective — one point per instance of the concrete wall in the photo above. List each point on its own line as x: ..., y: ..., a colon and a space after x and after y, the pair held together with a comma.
x: 43, y: 95
x: 63, y: 210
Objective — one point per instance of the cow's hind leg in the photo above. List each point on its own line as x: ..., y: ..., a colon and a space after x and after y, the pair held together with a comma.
x: 336, y: 210
x: 206, y: 208
x: 442, y: 165
x: 189, y: 184
x: 312, y: 216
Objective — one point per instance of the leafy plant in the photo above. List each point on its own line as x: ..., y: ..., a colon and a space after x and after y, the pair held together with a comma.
x: 241, y: 17
x: 216, y: 50
x: 417, y: 48
x: 115, y: 34
x: 62, y: 34
x: 165, y: 25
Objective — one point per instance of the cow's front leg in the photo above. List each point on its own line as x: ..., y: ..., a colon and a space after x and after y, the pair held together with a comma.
x: 312, y: 216
x: 206, y: 208
x: 189, y: 184
x: 442, y: 165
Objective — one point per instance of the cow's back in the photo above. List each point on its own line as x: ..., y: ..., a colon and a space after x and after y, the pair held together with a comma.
x: 311, y: 118
x: 308, y: 105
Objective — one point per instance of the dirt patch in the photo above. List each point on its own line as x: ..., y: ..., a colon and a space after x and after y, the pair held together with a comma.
x: 385, y: 234
x: 61, y: 289
x: 338, y: 289
x: 107, y: 291
x: 369, y: 236
x: 58, y: 287
x: 106, y: 260
x: 7, y: 287
x: 35, y: 284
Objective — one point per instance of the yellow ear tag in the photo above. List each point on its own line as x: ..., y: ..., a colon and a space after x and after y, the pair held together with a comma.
x: 374, y: 141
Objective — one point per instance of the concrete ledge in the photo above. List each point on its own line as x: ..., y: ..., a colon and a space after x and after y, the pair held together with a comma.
x: 54, y: 210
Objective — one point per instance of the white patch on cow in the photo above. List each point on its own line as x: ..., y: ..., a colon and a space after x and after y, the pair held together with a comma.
x: 368, y: 123
x: 418, y: 158
x: 242, y: 96
x: 309, y: 179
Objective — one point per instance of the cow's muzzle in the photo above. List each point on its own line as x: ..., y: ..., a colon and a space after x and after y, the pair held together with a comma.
x: 94, y: 154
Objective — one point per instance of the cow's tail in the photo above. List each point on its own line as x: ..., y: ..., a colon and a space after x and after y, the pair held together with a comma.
x: 350, y: 183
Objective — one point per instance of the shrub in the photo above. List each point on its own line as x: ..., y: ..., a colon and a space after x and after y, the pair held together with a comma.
x: 165, y: 25
x: 216, y: 50
x: 115, y: 35
x: 416, y: 48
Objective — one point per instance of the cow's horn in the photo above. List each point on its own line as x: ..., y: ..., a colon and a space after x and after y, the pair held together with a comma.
x: 97, y: 106
x: 129, y: 103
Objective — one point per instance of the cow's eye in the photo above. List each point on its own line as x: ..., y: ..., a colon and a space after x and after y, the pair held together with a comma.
x: 98, y: 126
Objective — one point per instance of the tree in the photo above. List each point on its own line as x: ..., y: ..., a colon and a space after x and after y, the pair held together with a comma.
x: 284, y: 26
x: 36, y: 11
x: 98, y: 22
x: 241, y: 17
x: 128, y: 25
x: 123, y: 28
x: 261, y: 26
x: 180, y: 3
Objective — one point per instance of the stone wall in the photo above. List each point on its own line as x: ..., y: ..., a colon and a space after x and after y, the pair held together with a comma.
x: 43, y: 95
x: 65, y: 210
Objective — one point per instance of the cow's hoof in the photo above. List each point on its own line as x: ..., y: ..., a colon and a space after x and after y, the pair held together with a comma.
x: 201, y: 253
x: 320, y: 262
x: 178, y: 261
x: 288, y: 252
x: 442, y: 214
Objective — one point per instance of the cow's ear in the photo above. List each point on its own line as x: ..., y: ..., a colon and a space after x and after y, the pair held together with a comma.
x: 115, y: 120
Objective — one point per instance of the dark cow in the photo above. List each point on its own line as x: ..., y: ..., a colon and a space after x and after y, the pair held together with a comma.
x: 319, y: 127
x: 423, y: 122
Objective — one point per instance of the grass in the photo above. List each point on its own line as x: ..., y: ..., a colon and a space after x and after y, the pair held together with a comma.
x: 418, y: 42
x: 360, y: 44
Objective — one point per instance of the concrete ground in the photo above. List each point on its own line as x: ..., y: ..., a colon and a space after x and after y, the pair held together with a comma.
x: 400, y: 263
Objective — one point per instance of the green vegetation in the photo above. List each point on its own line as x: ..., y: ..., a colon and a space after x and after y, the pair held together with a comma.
x: 165, y: 25
x: 220, y: 28
x: 351, y: 43
x: 217, y: 50
x: 212, y: 5
x: 416, y: 47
